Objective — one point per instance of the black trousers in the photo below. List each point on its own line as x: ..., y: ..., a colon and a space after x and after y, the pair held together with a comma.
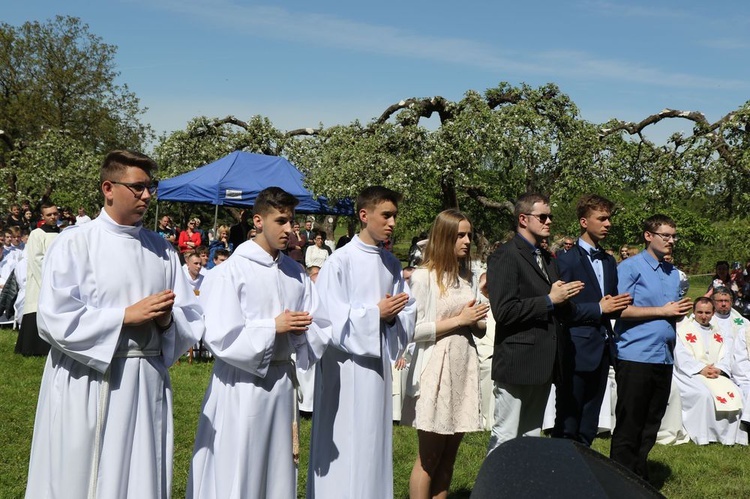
x: 29, y: 343
x: 642, y: 396
x: 578, y: 402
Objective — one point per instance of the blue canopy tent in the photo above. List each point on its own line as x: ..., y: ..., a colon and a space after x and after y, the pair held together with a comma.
x: 236, y: 179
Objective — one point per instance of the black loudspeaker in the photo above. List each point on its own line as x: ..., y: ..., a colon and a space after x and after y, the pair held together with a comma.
x: 529, y: 467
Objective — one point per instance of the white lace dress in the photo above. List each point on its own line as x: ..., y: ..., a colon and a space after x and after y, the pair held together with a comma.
x: 449, y: 385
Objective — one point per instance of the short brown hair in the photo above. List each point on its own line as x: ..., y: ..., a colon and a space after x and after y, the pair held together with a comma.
x: 116, y: 162
x: 652, y: 223
x: 526, y: 202
x: 273, y: 198
x: 593, y: 202
x: 703, y: 299
x: 371, y: 196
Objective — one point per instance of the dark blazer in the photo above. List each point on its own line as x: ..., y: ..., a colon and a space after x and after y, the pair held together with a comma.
x: 527, y: 336
x: 588, y: 327
x: 238, y: 233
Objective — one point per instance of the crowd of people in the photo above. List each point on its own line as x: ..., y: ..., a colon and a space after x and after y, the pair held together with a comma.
x: 448, y: 345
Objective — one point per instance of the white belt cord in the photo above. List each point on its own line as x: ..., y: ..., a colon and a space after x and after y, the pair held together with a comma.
x: 101, y: 410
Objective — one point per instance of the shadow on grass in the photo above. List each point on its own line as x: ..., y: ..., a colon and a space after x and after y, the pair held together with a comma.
x: 462, y: 493
x: 659, y: 473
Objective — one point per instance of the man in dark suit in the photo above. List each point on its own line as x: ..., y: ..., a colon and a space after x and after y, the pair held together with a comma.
x: 527, y: 300
x: 238, y: 232
x: 590, y: 345
x: 566, y: 246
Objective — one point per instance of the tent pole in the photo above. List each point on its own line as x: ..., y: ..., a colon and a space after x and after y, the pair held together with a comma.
x: 156, y: 219
x: 216, y: 217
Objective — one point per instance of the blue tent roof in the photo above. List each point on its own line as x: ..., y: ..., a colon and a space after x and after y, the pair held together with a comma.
x: 236, y: 180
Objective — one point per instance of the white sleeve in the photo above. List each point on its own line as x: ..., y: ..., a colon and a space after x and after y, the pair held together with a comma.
x: 684, y: 361
x: 87, y: 334
x: 401, y: 332
x: 187, y: 326
x: 740, y: 359
x: 310, y: 346
x: 243, y: 343
x: 355, y: 328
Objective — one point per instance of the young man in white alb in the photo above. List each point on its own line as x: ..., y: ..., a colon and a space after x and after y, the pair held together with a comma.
x: 118, y: 311
x: 372, y: 320
x: 260, y: 307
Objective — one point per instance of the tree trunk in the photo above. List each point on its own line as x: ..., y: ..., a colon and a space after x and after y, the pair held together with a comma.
x: 450, y: 198
x: 329, y: 226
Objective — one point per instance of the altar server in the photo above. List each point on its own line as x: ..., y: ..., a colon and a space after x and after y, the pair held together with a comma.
x: 117, y: 310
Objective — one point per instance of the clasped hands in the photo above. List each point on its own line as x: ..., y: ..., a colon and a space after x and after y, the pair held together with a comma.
x: 156, y: 307
x: 710, y: 372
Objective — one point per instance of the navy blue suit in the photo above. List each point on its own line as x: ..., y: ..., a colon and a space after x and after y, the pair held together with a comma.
x: 589, y: 348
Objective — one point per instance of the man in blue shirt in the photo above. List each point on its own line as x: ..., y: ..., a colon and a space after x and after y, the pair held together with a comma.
x: 645, y: 341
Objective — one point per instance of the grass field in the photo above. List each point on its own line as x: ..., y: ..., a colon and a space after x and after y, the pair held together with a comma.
x: 685, y: 471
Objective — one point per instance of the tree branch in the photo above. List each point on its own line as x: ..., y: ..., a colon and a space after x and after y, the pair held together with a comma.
x: 423, y: 108
x: 230, y: 120
x: 7, y: 139
x: 708, y: 130
x: 478, y: 195
x: 303, y: 131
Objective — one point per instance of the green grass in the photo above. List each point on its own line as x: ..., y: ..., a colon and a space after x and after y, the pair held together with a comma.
x: 685, y: 471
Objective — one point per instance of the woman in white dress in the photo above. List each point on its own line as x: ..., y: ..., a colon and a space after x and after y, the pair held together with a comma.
x: 443, y: 400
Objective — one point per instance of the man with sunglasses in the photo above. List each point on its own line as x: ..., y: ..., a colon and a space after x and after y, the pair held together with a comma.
x: 646, y: 336
x: 117, y: 311
x: 567, y: 245
x: 528, y: 300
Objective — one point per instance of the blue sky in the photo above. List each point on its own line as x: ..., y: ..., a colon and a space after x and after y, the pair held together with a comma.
x: 300, y: 64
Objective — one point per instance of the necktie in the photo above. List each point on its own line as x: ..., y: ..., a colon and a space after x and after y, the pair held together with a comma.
x: 538, y: 255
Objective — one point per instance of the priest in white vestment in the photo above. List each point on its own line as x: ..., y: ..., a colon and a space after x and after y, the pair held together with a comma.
x: 728, y: 320
x: 711, y: 402
x: 260, y: 307
x: 373, y: 320
x: 117, y: 310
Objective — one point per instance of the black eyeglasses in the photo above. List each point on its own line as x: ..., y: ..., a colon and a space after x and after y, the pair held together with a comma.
x: 667, y: 237
x: 138, y: 188
x: 543, y: 217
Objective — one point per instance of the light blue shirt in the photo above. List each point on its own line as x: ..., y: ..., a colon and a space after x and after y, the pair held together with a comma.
x: 596, y: 263
x: 650, y: 284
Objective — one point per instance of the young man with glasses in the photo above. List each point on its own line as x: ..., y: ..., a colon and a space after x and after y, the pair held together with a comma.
x: 645, y: 344
x: 117, y: 310
x: 528, y: 300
